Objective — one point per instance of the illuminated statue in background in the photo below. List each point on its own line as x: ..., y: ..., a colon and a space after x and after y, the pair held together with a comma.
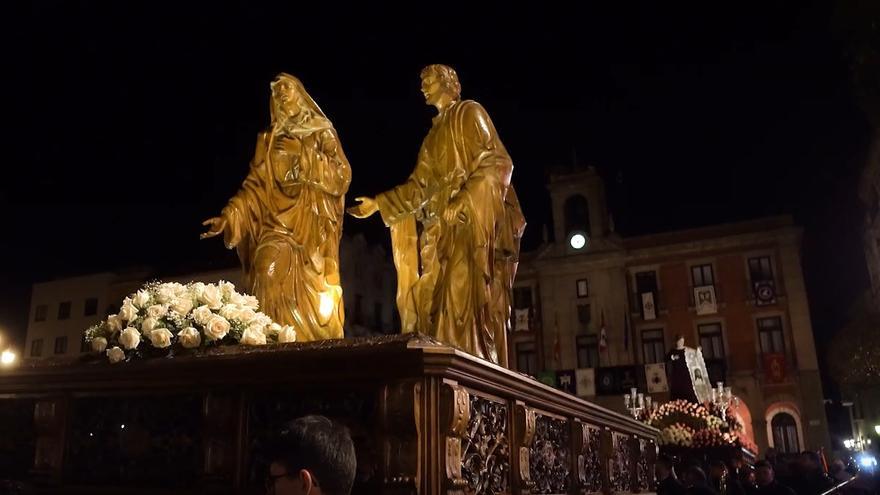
x: 286, y: 221
x: 455, y: 274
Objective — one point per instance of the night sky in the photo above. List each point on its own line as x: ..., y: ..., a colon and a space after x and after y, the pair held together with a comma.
x: 128, y: 124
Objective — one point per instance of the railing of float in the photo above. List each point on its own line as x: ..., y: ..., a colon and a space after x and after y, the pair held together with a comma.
x: 425, y: 418
x: 839, y: 486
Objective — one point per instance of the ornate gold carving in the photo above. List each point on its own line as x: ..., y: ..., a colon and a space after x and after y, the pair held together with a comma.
x: 455, y: 274
x: 645, y: 464
x: 286, y: 221
x: 589, y: 458
x: 454, y: 417
x: 620, y: 464
x: 550, y: 455
x: 485, y: 458
x: 524, y: 418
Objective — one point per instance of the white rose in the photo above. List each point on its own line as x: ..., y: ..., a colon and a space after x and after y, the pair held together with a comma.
x: 165, y: 293
x: 272, y: 329
x: 287, y: 334
x: 142, y: 299
x: 247, y: 315
x: 197, y: 289
x: 253, y: 336
x: 256, y: 327
x: 130, y: 338
x: 251, y: 302
x: 217, y: 327
x: 230, y: 312
x: 148, y: 325
x: 237, y: 299
x: 202, y: 315
x: 99, y: 344
x: 262, y: 320
x: 179, y: 289
x: 129, y: 311
x: 157, y: 310
x: 189, y: 337
x: 115, y: 355
x: 182, y: 304
x: 114, y: 324
x: 161, y: 337
x: 227, y: 289
x: 212, y: 297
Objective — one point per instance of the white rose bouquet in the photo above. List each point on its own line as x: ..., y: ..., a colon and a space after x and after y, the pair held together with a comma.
x: 162, y: 317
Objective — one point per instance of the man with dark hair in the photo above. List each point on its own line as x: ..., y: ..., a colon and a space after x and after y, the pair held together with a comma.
x: 722, y: 481
x: 811, y: 478
x: 767, y: 484
x: 695, y: 480
x: 667, y: 482
x: 312, y: 456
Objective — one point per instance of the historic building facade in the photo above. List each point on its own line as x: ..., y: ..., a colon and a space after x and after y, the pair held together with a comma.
x: 596, y: 313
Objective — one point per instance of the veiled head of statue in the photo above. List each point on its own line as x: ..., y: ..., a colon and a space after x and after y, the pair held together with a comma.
x: 291, y: 102
x: 438, y: 79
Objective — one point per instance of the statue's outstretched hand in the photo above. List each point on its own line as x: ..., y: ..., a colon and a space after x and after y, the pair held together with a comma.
x: 366, y: 207
x: 217, y: 224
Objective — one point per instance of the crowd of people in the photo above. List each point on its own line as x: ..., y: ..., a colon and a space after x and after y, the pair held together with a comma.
x: 801, y: 474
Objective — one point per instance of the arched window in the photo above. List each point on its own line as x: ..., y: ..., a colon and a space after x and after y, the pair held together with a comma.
x: 577, y: 214
x: 785, y: 435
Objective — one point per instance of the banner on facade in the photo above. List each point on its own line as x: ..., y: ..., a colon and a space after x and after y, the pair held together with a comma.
x: 586, y: 382
x: 704, y: 300
x: 565, y: 381
x: 656, y: 375
x: 547, y: 378
x: 522, y: 320
x: 774, y: 367
x: 649, y: 309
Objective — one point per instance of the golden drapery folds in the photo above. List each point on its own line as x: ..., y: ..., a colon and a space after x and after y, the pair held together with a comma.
x: 455, y: 274
x: 286, y: 220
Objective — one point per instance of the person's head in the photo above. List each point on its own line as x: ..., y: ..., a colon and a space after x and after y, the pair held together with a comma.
x: 763, y: 473
x: 440, y: 85
x: 694, y: 475
x: 313, y: 455
x: 679, y: 341
x: 809, y: 461
x: 836, y: 466
x: 717, y: 469
x: 664, y: 467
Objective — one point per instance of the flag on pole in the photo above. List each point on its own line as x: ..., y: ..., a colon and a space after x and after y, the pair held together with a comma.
x: 603, y: 337
x: 557, y: 346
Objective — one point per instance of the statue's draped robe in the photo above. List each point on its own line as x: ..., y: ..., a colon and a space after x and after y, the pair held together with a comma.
x: 455, y: 276
x: 286, y: 223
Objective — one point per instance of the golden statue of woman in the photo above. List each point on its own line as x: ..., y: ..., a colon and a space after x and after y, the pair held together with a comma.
x: 286, y: 221
x: 455, y: 274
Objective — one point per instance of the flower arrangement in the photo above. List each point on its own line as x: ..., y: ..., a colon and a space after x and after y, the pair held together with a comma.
x: 688, y: 424
x: 161, y: 316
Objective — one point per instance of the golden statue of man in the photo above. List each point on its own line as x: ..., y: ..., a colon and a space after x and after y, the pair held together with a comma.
x: 455, y: 274
x: 286, y: 221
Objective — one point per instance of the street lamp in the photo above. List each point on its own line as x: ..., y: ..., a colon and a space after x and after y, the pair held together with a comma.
x: 7, y: 357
